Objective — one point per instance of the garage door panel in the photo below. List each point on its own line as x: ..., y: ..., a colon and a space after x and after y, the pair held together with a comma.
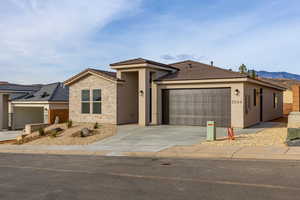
x: 197, y: 106
x: 27, y: 115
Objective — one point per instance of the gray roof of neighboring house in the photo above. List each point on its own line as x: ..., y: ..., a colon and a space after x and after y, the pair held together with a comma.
x: 19, y: 88
x: 50, y: 92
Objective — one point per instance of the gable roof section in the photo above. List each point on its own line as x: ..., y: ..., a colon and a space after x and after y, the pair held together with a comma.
x: 192, y: 70
x: 52, y: 92
x: 18, y: 88
x: 142, y: 61
x: 106, y: 74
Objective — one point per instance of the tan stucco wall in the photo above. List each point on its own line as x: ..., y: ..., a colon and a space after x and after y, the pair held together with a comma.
x: 128, y: 100
x: 252, y: 113
x: 288, y: 96
x: 252, y: 116
x: 237, y: 109
x: 144, y: 85
x: 269, y: 112
x: 109, y: 100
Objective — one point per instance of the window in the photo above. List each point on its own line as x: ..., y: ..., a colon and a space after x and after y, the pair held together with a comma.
x: 254, y: 97
x: 275, y: 100
x: 85, y: 101
x: 97, y: 101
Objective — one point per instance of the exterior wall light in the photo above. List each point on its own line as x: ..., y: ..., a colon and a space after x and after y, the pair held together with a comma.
x: 141, y: 92
x: 236, y: 92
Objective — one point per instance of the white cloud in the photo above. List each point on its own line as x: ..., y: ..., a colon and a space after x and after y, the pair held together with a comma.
x: 266, y: 38
x: 37, y: 35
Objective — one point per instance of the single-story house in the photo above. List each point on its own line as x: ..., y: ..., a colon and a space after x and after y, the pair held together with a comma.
x: 21, y: 104
x: 288, y: 95
x: 184, y: 93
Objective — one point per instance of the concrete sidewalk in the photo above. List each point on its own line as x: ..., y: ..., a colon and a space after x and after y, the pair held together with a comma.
x: 228, y: 152
x: 202, y: 151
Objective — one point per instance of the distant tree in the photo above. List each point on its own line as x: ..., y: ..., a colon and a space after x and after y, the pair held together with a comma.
x: 252, y: 73
x: 243, y: 69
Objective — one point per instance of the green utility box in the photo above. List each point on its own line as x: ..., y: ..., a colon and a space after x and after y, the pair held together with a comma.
x: 211, y: 131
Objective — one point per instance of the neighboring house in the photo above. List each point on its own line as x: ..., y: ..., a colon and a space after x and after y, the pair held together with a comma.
x: 6, y: 91
x: 288, y: 95
x: 33, y: 104
x: 184, y: 93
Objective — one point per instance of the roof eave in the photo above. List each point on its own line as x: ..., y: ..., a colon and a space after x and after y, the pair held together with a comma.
x: 90, y: 71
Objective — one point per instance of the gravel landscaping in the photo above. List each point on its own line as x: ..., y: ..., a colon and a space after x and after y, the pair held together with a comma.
x: 71, y: 136
x: 274, y: 136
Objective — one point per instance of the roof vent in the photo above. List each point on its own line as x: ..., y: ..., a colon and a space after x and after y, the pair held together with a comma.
x: 190, y: 65
x: 212, y: 63
x: 45, y: 94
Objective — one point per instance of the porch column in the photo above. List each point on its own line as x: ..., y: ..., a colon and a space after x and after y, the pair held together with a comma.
x: 144, y: 101
x: 46, y: 114
x: 3, y: 111
x: 11, y: 115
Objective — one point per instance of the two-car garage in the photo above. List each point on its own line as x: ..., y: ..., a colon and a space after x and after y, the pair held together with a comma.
x: 196, y: 106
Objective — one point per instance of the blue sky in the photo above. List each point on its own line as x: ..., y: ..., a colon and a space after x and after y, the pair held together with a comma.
x: 43, y: 41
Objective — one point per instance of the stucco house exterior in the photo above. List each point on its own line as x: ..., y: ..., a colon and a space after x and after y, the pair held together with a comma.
x: 184, y: 93
x: 32, y: 104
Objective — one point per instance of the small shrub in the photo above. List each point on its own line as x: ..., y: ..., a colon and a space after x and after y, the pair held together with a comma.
x: 69, y: 123
x: 96, y: 125
x: 55, y: 132
x: 41, y: 132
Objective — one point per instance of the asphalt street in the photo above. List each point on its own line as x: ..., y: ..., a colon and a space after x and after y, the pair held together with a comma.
x: 51, y: 177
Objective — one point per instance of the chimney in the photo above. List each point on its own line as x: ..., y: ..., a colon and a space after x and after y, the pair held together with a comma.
x: 212, y: 63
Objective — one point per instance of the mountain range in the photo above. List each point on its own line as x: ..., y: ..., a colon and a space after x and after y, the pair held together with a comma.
x: 278, y: 75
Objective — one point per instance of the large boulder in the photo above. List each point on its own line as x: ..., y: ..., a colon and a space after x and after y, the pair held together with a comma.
x: 85, y: 132
x: 293, y: 137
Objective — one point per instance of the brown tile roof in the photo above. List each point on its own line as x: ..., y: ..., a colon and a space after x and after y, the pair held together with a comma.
x: 141, y: 61
x: 107, y: 74
x: 192, y: 70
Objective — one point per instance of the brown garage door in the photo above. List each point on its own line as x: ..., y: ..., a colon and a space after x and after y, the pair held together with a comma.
x: 197, y: 106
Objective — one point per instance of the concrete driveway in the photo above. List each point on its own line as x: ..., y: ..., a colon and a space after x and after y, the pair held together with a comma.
x: 132, y: 138
x: 9, y: 135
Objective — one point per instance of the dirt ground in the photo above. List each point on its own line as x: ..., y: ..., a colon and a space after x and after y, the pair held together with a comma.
x: 66, y: 138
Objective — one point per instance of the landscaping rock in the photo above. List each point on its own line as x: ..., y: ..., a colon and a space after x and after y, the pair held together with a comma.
x: 85, y: 132
x: 293, y: 143
x: 56, y: 120
x: 293, y: 134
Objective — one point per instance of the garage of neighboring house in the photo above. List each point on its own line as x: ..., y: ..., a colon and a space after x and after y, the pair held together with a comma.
x: 197, y: 106
x: 42, y: 106
x: 27, y: 115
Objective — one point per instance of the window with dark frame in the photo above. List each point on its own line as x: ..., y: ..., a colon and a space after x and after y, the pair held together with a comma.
x: 275, y: 100
x: 85, y: 101
x: 254, y: 97
x: 97, y: 108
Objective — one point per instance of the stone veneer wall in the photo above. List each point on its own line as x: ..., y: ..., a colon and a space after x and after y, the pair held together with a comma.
x: 109, y: 100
